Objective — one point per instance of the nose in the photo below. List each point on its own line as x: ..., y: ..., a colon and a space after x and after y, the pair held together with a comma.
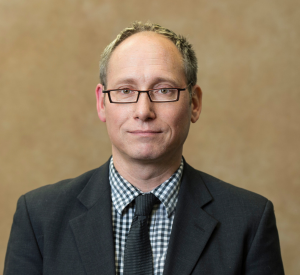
x: 144, y: 108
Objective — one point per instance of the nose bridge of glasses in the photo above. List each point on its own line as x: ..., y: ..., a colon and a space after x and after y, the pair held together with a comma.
x: 146, y: 92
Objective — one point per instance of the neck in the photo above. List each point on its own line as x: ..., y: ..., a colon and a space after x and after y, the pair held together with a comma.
x: 146, y: 175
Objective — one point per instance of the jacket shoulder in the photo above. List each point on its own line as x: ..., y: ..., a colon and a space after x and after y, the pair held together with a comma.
x: 219, y: 188
x: 226, y: 199
x: 237, y: 210
x: 68, y: 188
x: 64, y: 197
x: 49, y: 208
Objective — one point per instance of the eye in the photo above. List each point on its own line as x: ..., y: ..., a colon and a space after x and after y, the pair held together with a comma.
x: 125, y: 91
x: 164, y: 91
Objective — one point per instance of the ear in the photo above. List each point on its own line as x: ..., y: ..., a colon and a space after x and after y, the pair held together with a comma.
x: 100, y: 102
x: 196, y: 103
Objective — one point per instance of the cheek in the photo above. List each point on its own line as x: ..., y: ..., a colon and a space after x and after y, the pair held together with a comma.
x: 112, y: 122
x: 115, y: 119
x: 179, y: 120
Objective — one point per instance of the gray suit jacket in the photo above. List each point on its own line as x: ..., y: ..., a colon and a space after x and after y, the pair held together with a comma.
x: 66, y: 228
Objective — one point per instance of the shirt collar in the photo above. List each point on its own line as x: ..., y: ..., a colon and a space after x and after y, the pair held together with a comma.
x: 123, y: 193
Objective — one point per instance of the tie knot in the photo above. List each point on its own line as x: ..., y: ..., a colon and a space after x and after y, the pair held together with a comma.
x: 144, y: 204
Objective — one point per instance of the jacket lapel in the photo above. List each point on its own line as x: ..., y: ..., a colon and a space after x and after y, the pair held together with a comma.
x: 93, y: 229
x: 192, y: 226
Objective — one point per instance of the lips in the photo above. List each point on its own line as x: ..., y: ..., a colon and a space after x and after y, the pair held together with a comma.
x: 145, y: 133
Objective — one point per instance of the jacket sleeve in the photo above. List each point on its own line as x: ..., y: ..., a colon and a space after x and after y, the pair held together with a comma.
x: 23, y: 255
x: 264, y: 257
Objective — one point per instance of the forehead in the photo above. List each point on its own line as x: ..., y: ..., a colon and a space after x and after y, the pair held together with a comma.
x: 145, y: 54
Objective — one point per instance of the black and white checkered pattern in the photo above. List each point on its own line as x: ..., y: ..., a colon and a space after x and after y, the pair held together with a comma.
x: 160, y: 222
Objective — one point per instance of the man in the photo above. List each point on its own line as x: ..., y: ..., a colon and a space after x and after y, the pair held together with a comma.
x: 145, y: 211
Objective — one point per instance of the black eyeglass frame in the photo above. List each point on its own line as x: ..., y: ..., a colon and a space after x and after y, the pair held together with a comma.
x: 139, y: 92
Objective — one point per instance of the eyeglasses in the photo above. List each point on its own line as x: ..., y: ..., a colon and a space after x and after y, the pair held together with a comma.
x: 162, y: 95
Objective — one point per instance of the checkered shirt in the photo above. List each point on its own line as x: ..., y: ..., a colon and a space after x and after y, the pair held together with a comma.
x: 160, y: 221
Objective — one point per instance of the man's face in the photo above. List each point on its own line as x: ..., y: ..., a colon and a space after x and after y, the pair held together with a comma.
x: 147, y: 131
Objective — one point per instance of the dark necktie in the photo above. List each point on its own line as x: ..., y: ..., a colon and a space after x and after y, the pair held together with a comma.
x: 138, y: 253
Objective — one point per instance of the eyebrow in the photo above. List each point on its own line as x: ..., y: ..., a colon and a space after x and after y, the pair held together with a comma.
x: 154, y: 82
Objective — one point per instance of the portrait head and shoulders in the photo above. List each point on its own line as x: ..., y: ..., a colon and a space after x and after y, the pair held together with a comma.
x: 147, y: 96
x: 197, y: 224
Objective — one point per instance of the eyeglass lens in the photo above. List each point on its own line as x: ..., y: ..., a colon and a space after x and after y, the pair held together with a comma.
x: 165, y: 94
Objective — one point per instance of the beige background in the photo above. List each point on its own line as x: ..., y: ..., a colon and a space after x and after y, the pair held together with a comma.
x: 249, y: 65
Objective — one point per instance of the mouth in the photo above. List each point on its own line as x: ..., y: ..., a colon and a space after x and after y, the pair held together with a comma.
x: 145, y: 133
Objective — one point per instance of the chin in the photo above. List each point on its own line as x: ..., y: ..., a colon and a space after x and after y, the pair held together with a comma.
x: 146, y: 155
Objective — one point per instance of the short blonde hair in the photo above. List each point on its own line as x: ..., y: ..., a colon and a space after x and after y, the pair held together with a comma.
x: 184, y: 47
